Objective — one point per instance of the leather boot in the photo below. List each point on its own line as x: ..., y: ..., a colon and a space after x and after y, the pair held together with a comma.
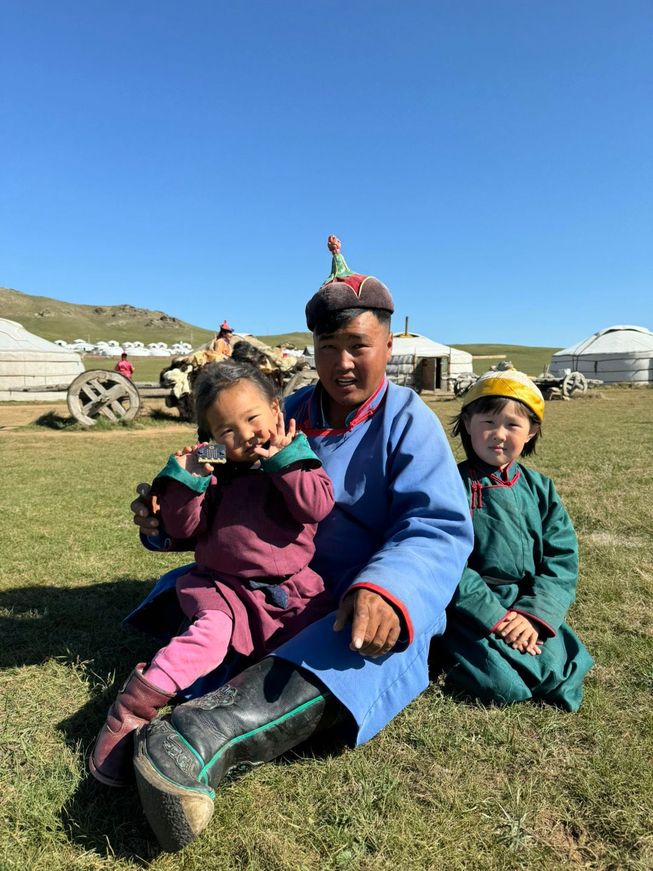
x: 180, y: 760
x: 136, y: 704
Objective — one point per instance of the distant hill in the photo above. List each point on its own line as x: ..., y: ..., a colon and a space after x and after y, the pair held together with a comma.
x: 299, y: 340
x: 53, y: 319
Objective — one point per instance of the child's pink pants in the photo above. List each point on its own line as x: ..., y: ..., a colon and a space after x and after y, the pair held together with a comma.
x: 189, y: 656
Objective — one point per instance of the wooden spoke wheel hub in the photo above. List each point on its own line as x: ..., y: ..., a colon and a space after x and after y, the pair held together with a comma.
x: 574, y: 383
x: 102, y: 394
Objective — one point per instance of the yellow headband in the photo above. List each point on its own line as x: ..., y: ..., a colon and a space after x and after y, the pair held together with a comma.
x: 510, y: 384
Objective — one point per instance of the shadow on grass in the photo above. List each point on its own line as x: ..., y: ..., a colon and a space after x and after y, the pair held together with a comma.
x: 53, y: 420
x: 154, y: 417
x: 81, y: 627
x: 76, y: 625
x: 109, y: 822
x: 162, y: 416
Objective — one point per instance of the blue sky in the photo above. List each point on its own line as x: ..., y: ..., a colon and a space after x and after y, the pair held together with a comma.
x: 490, y: 160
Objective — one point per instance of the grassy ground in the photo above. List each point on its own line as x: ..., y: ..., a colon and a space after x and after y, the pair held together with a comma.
x: 448, y: 785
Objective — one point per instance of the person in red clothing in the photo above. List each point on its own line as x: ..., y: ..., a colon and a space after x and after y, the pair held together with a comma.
x: 124, y: 366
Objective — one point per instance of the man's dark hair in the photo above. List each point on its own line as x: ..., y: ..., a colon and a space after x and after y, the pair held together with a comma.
x: 216, y: 377
x: 333, y: 321
x: 492, y: 405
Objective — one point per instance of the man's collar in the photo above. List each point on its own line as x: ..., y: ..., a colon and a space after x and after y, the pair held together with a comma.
x: 319, y: 417
x: 322, y: 419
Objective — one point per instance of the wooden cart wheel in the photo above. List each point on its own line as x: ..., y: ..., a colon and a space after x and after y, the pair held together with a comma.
x: 100, y: 392
x: 573, y: 382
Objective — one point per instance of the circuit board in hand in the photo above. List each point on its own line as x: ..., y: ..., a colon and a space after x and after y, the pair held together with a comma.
x: 211, y: 454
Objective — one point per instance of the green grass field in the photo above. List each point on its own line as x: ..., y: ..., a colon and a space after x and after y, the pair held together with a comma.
x: 448, y: 785
x: 529, y: 359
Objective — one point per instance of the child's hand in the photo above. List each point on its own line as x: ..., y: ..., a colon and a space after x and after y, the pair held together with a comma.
x: 187, y: 459
x: 518, y: 631
x: 278, y: 439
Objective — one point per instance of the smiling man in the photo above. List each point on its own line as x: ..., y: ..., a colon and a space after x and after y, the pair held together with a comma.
x: 392, y: 551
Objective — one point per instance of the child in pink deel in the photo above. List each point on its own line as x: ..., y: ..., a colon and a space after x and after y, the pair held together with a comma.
x: 254, y: 519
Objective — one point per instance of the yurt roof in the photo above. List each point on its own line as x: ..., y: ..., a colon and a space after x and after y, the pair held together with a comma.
x: 620, y: 339
x: 422, y: 346
x: 15, y: 339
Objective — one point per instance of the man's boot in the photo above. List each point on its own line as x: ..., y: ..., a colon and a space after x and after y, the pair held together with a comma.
x: 261, y: 713
x: 136, y: 704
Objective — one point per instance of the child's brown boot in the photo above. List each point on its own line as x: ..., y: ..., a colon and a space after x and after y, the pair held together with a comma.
x: 136, y: 704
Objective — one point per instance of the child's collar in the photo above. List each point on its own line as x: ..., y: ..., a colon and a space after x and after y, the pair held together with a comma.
x: 481, y: 469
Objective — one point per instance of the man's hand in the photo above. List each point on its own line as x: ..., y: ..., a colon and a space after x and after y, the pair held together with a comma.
x: 145, y: 509
x: 518, y: 631
x: 375, y: 625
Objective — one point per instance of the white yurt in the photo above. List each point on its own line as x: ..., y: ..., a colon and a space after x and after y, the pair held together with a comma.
x: 424, y: 364
x: 27, y: 360
x: 616, y: 355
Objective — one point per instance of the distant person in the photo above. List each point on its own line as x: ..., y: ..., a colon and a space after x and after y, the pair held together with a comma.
x: 254, y: 518
x: 222, y: 342
x: 505, y: 639
x: 124, y: 366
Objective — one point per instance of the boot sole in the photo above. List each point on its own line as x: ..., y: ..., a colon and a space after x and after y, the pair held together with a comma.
x: 175, y: 814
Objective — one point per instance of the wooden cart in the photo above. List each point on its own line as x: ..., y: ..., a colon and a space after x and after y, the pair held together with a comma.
x: 563, y: 386
x: 103, y: 394
x: 566, y: 385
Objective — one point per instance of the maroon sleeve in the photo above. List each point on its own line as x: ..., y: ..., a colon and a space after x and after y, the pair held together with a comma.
x: 183, y: 512
x: 308, y: 493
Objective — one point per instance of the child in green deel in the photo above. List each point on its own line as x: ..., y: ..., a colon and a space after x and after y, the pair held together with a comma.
x: 506, y: 639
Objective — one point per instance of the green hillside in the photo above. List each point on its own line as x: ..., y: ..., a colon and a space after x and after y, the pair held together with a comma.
x: 299, y: 340
x: 53, y: 319
x: 531, y: 360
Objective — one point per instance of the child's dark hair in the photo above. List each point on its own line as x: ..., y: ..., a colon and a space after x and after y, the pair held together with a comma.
x: 216, y: 377
x: 492, y: 405
x: 330, y: 322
